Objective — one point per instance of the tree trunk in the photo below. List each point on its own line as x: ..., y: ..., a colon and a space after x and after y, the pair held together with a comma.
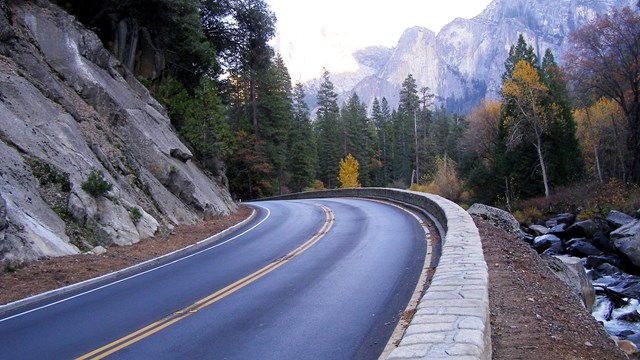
x: 598, y: 169
x: 545, y: 181
x: 254, y: 106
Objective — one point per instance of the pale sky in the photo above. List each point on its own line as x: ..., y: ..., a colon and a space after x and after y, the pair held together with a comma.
x: 324, y: 33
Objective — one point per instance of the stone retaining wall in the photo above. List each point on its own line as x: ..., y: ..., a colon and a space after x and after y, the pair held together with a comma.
x: 452, y: 320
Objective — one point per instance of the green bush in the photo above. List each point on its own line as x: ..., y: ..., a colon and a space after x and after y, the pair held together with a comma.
x: 135, y: 214
x: 96, y: 185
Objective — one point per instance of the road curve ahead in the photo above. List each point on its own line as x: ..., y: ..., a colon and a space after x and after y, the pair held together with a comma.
x: 306, y: 279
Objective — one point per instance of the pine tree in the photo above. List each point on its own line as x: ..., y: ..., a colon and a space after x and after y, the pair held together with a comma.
x: 275, y: 109
x: 561, y: 144
x: 406, y: 129
x: 358, y: 135
x: 302, y: 146
x: 327, y: 127
x: 381, y: 119
x: 348, y: 175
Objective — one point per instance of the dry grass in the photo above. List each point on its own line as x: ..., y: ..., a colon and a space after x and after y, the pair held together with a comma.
x: 586, y: 199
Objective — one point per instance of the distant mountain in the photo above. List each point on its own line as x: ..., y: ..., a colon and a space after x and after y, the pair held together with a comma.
x: 464, y: 62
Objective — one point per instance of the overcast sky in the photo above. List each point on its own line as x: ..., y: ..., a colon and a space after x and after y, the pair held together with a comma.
x: 324, y: 33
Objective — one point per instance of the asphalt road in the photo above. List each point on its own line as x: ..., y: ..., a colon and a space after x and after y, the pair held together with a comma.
x: 311, y: 279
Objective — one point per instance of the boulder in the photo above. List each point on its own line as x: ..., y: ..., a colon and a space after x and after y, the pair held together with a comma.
x: 547, y: 242
x: 498, y: 217
x: 587, y: 228
x: 631, y: 316
x: 604, y: 243
x: 617, y: 219
x: 581, y: 248
x: 596, y: 261
x: 98, y: 250
x: 559, y: 230
x: 565, y: 218
x: 627, y: 240
x: 538, y: 230
x: 606, y: 269
x: 556, y: 248
x: 627, y: 347
x: 180, y: 154
x: 571, y: 271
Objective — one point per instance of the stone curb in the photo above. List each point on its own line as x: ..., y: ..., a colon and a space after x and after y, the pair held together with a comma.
x: 452, y: 320
x: 126, y: 271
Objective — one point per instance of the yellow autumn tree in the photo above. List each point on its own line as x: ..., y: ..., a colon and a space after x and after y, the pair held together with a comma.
x: 348, y: 176
x: 530, y: 119
x: 602, y: 132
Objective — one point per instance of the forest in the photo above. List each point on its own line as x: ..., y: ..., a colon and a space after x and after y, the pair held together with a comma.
x: 231, y: 99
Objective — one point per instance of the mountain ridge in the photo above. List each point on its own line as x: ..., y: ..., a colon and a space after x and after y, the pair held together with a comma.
x: 464, y: 61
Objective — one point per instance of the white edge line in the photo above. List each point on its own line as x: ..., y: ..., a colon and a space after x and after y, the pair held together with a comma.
x: 131, y: 268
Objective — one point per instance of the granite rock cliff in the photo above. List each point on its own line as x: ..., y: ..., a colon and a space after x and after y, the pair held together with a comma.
x: 69, y: 108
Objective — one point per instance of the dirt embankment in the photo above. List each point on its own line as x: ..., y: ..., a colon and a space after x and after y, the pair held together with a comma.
x: 534, y: 315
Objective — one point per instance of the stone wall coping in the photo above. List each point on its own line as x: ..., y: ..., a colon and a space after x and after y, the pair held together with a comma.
x: 452, y: 318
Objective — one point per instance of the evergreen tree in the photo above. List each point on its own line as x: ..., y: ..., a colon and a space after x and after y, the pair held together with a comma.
x: 520, y: 51
x: 381, y: 119
x: 327, y: 127
x: 561, y: 144
x: 302, y: 145
x: 358, y: 135
x: 275, y: 111
x: 406, y: 129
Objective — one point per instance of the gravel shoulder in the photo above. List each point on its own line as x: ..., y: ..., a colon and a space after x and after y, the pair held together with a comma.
x: 534, y: 315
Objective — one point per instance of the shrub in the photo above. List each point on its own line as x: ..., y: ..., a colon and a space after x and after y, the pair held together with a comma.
x: 96, y: 185
x: 135, y: 215
x: 315, y: 186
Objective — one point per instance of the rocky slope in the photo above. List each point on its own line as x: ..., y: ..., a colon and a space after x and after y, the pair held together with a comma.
x: 68, y: 108
x: 464, y: 62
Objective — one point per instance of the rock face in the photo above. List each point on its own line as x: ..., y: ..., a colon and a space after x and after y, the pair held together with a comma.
x: 627, y: 240
x: 571, y: 271
x: 68, y: 108
x: 464, y: 62
x: 498, y: 217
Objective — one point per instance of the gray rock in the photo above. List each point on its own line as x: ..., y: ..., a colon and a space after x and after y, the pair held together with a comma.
x: 98, y: 250
x: 68, y: 103
x: 180, y: 154
x: 604, y: 243
x: 581, y: 248
x: 627, y: 240
x: 617, y: 219
x: 587, y: 228
x: 3, y: 214
x: 571, y: 271
x: 565, y: 218
x: 598, y: 260
x: 558, y: 230
x: 606, y: 269
x: 497, y: 217
x: 547, y: 242
x: 32, y: 229
x: 538, y: 229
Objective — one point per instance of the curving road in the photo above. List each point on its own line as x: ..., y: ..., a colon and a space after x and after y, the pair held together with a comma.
x: 308, y: 279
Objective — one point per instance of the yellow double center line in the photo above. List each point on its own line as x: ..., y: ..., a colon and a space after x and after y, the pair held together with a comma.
x: 204, y: 302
